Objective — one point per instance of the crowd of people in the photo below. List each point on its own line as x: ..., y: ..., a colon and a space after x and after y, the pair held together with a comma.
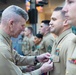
x: 50, y: 52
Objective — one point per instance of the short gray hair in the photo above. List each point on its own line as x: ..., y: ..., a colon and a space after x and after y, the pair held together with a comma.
x: 14, y: 10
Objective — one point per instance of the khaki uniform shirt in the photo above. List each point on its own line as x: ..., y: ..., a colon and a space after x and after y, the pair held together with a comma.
x: 47, y: 43
x: 10, y: 58
x: 27, y: 45
x: 35, y: 50
x: 71, y: 58
x: 59, y: 52
x: 32, y: 45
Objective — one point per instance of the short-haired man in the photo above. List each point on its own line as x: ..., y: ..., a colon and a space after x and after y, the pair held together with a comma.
x: 48, y: 39
x: 69, y: 9
x: 27, y: 41
x: 62, y: 29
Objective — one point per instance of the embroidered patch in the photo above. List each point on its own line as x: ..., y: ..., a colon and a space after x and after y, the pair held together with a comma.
x: 33, y: 48
x: 49, y: 48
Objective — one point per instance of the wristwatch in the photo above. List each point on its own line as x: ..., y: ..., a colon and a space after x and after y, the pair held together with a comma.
x: 36, y: 60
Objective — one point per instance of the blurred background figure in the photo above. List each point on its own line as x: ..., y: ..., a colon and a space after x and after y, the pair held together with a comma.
x: 48, y: 39
x: 27, y: 41
x: 36, y: 48
x: 17, y: 43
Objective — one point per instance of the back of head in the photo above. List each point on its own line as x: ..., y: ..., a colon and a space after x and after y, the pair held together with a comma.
x: 39, y: 35
x: 46, y: 22
x: 44, y: 27
x: 1, y: 14
x: 13, y: 11
x: 62, y: 14
x: 60, y: 9
x: 31, y: 29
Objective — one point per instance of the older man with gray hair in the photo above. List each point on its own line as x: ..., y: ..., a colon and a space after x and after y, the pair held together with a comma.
x: 12, y: 23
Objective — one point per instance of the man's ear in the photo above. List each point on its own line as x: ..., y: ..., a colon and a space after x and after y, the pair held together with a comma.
x: 11, y: 24
x: 65, y: 22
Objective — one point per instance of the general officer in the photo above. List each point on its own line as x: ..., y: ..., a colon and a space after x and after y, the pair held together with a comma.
x: 12, y: 23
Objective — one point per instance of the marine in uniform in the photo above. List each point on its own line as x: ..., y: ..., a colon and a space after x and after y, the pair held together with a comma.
x: 12, y: 23
x: 48, y: 38
x: 27, y: 41
x: 62, y: 29
x: 69, y: 9
x: 36, y: 47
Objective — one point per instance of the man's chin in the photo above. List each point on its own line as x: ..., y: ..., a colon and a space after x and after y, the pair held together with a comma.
x: 73, y: 24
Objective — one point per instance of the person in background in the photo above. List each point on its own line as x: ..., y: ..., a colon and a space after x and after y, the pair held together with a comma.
x: 27, y: 41
x: 48, y: 39
x: 12, y: 24
x: 36, y: 48
x: 17, y: 43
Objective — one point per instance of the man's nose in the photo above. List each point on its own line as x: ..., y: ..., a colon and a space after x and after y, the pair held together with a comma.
x: 65, y: 8
x: 50, y: 24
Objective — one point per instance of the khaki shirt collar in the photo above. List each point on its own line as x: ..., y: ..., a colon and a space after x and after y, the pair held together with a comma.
x: 58, y: 39
x: 6, y: 36
x: 46, y: 35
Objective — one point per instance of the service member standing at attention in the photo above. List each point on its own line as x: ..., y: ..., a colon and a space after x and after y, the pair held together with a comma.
x: 27, y: 41
x: 12, y: 23
x: 70, y: 13
x: 36, y: 48
x: 48, y: 39
x: 62, y: 29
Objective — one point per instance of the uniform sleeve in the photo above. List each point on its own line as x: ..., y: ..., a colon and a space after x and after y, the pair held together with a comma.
x: 71, y: 60
x: 9, y: 68
x: 48, y: 45
x: 36, y: 72
x: 22, y: 60
x: 26, y: 46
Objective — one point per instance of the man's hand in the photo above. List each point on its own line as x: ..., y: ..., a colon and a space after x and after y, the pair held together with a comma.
x: 28, y: 69
x: 43, y: 57
x: 47, y: 66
